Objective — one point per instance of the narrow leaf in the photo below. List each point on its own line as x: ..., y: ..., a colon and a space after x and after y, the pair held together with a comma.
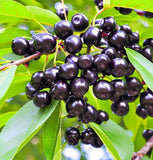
x: 5, y: 117
x: 143, y: 65
x: 44, y: 16
x: 6, y: 78
x: 116, y: 139
x: 21, y: 127
x: 50, y: 133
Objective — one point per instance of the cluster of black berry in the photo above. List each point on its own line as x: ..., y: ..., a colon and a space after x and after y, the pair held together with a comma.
x: 71, y: 81
x: 88, y: 136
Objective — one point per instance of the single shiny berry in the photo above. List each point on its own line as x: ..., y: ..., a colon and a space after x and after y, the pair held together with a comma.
x: 73, y: 44
x: 133, y: 38
x: 148, y: 42
x: 79, y: 86
x: 111, y: 52
x: 63, y: 29
x: 119, y: 67
x: 133, y: 86
x: 72, y: 136
x: 44, y: 42
x: 75, y: 106
x: 30, y: 90
x: 98, y: 22
x: 71, y: 58
x: 60, y: 12
x: 90, y: 75
x: 146, y: 98
x: 147, y: 134
x: 85, y: 61
x: 87, y: 136
x: 38, y: 80
x: 118, y: 39
x: 20, y: 46
x: 126, y: 28
x: 102, y: 63
x: 89, y: 115
x: 149, y: 109
x: 141, y: 112
x: 148, y: 52
x: 120, y: 108
x: 119, y: 86
x: 59, y: 90
x: 97, y: 143
x: 68, y: 71
x: 102, y: 116
x: 51, y: 75
x: 103, y: 89
x: 136, y: 47
x: 80, y: 22
x: 92, y: 36
x: 99, y: 3
x: 108, y: 24
x: 42, y: 99
x: 128, y: 98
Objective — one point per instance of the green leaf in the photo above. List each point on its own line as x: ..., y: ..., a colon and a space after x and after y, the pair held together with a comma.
x: 44, y: 16
x: 5, y: 51
x: 8, y: 34
x: 6, y: 78
x: 5, y: 117
x: 22, y: 126
x: 17, y: 85
x: 116, y: 139
x: 138, y: 4
x: 50, y: 133
x: 143, y: 65
x: 13, y: 11
x: 148, y: 33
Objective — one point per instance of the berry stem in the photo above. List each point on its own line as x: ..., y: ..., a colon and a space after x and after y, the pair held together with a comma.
x: 20, y: 61
x: 45, y: 62
x: 64, y: 9
x: 144, y: 150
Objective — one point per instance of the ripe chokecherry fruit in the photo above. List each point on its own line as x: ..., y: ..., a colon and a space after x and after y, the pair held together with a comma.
x: 120, y: 108
x: 73, y: 44
x: 60, y: 12
x: 59, y: 90
x: 68, y: 71
x: 79, y: 86
x: 111, y: 52
x: 75, y: 106
x: 119, y: 67
x: 102, y: 116
x: 42, y: 99
x: 108, y: 24
x: 30, y: 90
x: 85, y: 61
x: 63, y: 29
x: 92, y: 36
x: 20, y: 46
x: 99, y: 3
x: 141, y: 112
x: 118, y: 39
x: 133, y: 86
x: 89, y: 115
x: 146, y: 98
x: 87, y: 136
x: 90, y: 75
x: 80, y: 22
x: 126, y: 28
x: 51, y: 75
x: 38, y: 80
x: 147, y: 134
x: 44, y: 42
x: 103, y: 89
x: 125, y: 11
x: 72, y: 136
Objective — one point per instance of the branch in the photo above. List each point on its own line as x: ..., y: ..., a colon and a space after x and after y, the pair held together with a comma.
x: 144, y: 150
x: 21, y: 61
